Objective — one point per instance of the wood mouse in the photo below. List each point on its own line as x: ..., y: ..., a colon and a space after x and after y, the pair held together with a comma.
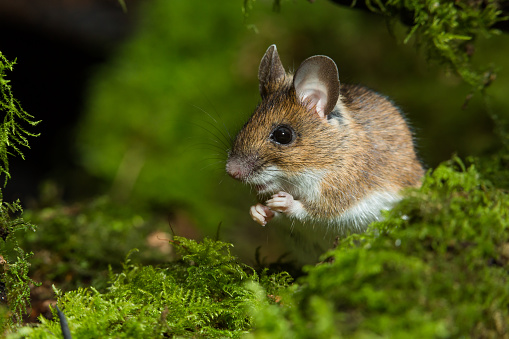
x: 322, y: 152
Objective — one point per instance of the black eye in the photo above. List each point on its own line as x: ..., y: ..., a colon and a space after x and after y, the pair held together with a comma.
x: 283, y: 135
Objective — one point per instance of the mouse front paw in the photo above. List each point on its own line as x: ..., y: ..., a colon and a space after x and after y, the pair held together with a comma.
x: 261, y: 214
x: 282, y: 202
x: 285, y: 203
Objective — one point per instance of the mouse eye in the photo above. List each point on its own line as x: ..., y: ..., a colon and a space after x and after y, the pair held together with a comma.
x: 283, y: 135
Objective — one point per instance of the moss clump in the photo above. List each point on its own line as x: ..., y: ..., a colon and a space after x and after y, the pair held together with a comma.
x: 447, y: 31
x: 14, y: 262
x: 14, y: 265
x: 12, y: 134
x: 201, y: 295
x: 436, y: 267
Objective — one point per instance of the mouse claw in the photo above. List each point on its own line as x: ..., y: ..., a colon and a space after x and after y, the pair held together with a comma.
x: 261, y: 214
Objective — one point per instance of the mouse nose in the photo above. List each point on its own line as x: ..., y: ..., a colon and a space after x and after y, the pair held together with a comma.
x: 237, y: 169
x: 235, y: 174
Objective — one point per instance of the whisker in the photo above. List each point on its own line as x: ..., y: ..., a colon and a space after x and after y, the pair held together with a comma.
x: 227, y: 136
x: 217, y: 114
x: 201, y: 145
x: 217, y: 158
x: 218, y: 138
x: 209, y: 165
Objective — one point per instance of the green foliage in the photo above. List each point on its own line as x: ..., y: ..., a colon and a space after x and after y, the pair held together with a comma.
x: 447, y: 30
x: 436, y: 267
x: 12, y: 135
x: 203, y: 294
x: 13, y: 260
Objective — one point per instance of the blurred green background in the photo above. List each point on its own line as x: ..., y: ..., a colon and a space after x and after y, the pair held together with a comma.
x: 159, y: 109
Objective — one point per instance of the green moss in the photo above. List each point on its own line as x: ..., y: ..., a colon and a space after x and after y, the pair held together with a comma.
x: 12, y: 134
x: 201, y: 295
x: 447, y: 31
x: 15, y: 261
x: 14, y: 280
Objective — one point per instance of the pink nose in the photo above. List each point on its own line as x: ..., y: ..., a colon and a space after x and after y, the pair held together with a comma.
x: 237, y: 169
x: 235, y: 174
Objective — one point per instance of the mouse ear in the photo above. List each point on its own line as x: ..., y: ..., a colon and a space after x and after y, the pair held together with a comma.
x: 271, y: 71
x: 316, y: 83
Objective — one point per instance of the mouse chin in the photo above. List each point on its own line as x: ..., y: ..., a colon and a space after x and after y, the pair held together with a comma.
x: 266, y: 182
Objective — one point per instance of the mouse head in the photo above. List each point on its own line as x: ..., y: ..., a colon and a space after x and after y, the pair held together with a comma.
x: 290, y: 131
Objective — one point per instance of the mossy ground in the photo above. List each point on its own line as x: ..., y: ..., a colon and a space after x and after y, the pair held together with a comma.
x: 436, y: 267
x: 202, y: 294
